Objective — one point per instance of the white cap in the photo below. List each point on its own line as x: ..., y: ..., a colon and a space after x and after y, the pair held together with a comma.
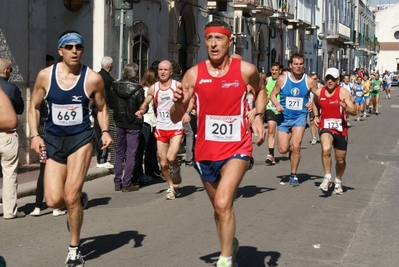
x: 333, y: 72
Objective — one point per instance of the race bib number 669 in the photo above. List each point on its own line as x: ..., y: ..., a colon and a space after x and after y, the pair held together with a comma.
x: 67, y: 115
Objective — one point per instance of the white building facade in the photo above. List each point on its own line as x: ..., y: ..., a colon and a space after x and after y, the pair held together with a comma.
x: 387, y: 30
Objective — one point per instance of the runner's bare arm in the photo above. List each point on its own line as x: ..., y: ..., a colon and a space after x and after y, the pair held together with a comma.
x: 276, y: 91
x: 347, y: 103
x: 144, y: 106
x: 38, y: 93
x: 250, y: 72
x: 95, y: 81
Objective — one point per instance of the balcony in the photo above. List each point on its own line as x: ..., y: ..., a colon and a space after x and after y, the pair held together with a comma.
x: 246, y: 6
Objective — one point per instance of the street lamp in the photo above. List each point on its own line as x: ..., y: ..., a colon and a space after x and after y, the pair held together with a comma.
x: 318, y: 46
x: 320, y: 38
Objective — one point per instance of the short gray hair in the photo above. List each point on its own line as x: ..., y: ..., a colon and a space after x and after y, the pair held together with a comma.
x: 130, y: 71
x: 106, y: 62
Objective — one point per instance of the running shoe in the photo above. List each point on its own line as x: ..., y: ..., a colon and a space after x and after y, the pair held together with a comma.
x: 172, y: 193
x: 234, y: 250
x: 74, y: 258
x: 57, y: 212
x: 35, y: 212
x: 223, y: 263
x: 358, y: 119
x: 106, y: 165
x: 294, y: 182
x: 325, y: 185
x: 376, y: 112
x: 314, y: 141
x: 176, y: 177
x: 338, y: 189
x: 348, y: 123
x: 84, y: 199
x: 270, y: 160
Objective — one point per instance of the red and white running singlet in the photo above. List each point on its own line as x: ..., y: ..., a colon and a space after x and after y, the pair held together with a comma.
x: 333, y: 116
x: 222, y: 108
x: 163, y: 102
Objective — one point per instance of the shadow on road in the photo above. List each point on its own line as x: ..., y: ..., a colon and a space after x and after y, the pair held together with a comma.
x: 249, y: 256
x: 98, y: 202
x: 185, y: 190
x: 252, y: 190
x: 94, y: 247
x: 303, y: 177
x: 331, y: 189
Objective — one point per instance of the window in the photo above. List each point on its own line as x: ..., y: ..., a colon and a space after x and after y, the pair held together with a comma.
x: 140, y: 53
x: 396, y: 34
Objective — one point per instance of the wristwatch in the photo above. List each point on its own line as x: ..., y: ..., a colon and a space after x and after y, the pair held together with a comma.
x: 262, y: 115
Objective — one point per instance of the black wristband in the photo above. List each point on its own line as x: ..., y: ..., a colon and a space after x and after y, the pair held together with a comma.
x: 34, y: 136
x: 105, y: 131
x: 262, y: 115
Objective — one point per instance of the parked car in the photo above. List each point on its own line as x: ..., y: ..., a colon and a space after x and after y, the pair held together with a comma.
x: 395, y: 78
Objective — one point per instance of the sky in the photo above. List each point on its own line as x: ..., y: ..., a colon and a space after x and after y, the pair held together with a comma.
x: 378, y: 2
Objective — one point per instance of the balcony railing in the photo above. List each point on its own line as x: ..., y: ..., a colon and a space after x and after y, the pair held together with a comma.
x: 251, y: 2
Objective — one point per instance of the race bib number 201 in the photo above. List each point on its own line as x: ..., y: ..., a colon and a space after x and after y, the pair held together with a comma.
x: 223, y: 128
x: 67, y: 115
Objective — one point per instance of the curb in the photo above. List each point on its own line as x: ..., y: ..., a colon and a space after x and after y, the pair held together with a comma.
x: 29, y: 189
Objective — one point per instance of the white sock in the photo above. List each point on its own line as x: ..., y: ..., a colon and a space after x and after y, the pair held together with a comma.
x: 337, y: 182
x: 327, y: 176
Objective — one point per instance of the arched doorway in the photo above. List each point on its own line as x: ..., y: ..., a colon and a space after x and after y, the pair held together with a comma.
x: 183, y: 47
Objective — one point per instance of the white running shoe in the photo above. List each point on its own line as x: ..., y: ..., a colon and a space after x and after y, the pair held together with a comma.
x: 325, y: 185
x: 74, y: 258
x: 35, y: 212
x: 106, y: 165
x: 173, y: 192
x: 57, y: 212
x: 338, y: 189
x: 314, y: 141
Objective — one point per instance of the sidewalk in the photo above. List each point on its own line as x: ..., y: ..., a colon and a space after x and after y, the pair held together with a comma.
x: 27, y: 177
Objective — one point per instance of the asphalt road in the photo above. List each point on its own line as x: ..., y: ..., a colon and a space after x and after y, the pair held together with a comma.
x: 277, y: 225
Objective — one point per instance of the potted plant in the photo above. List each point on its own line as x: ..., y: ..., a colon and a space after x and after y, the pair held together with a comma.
x: 284, y: 6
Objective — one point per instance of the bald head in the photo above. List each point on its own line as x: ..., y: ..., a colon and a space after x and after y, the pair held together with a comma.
x: 5, y: 68
x: 164, y: 70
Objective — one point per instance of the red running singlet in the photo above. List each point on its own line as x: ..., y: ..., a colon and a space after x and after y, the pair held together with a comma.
x: 333, y: 116
x: 222, y: 108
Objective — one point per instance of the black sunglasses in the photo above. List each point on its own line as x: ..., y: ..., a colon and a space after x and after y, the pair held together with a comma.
x: 69, y: 47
